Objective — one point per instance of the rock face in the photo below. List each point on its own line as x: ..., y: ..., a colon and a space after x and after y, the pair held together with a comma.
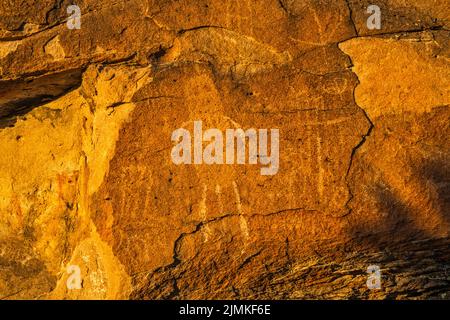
x: 87, y: 178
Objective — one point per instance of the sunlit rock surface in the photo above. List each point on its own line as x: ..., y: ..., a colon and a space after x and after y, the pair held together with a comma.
x: 86, y: 177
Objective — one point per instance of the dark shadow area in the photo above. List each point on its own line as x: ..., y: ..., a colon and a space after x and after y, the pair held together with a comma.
x: 18, y: 97
x: 437, y: 173
x: 415, y: 262
x: 397, y: 224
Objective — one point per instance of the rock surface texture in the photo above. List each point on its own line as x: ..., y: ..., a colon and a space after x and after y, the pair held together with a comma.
x: 86, y: 176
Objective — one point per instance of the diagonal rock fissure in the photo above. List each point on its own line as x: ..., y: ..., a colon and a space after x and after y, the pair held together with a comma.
x: 359, y: 145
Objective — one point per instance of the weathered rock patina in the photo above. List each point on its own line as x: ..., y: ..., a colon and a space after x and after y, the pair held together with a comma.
x: 86, y: 176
